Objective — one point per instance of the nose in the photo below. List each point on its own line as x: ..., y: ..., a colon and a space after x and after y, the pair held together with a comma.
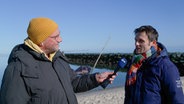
x: 59, y: 39
x: 136, y: 43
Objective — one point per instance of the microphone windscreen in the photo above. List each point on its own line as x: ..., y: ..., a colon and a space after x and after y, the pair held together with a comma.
x: 122, y: 63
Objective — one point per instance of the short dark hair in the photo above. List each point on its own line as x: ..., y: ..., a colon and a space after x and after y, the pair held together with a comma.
x: 149, y: 30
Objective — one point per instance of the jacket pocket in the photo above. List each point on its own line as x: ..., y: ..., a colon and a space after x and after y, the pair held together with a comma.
x: 30, y: 72
x: 34, y: 101
x: 32, y: 83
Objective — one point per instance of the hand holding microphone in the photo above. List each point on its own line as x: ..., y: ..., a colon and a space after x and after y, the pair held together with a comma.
x: 121, y: 64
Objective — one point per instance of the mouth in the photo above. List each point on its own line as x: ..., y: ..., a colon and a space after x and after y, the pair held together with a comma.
x: 137, y: 48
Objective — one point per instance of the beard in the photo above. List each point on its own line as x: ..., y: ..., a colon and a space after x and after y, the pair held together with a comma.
x: 53, y: 49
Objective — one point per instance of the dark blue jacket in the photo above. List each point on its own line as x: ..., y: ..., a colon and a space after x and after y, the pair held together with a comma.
x: 158, y: 82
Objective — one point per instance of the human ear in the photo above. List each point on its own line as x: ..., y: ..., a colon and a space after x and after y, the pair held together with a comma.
x: 41, y: 44
x: 154, y: 42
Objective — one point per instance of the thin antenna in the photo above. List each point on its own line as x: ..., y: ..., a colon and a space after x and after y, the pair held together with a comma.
x: 100, y: 54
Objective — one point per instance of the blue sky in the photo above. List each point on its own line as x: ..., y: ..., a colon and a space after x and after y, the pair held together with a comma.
x: 86, y: 25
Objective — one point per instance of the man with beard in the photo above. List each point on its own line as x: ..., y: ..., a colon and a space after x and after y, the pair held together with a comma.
x: 38, y: 72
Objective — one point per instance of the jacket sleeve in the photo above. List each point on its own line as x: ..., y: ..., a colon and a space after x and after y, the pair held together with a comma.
x: 83, y: 83
x: 171, y: 83
x: 13, y: 89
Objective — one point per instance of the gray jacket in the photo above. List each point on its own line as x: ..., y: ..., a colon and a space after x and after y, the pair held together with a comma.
x: 30, y: 78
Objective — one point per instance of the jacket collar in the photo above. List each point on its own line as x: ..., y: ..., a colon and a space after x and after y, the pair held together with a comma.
x: 155, y: 58
x: 37, y: 49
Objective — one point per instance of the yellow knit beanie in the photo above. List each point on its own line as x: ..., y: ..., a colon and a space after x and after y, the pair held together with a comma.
x: 40, y: 29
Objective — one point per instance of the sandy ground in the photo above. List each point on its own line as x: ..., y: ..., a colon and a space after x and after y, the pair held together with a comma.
x: 106, y: 96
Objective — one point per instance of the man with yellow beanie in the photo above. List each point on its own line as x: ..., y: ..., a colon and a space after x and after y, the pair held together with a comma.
x: 38, y: 72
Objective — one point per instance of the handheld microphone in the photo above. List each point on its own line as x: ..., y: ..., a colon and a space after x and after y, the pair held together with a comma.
x: 121, y: 64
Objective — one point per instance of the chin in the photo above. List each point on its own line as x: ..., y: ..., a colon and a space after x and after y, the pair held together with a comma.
x: 54, y: 50
x: 138, y: 52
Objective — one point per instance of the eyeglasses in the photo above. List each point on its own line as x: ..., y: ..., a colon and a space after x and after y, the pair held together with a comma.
x: 55, y: 37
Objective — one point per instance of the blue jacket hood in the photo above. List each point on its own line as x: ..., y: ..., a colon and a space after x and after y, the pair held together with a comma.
x: 156, y: 58
x: 163, y: 50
